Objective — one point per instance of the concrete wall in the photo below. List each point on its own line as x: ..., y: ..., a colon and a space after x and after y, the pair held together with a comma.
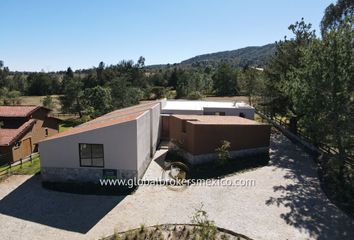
x: 182, y: 112
x: 156, y: 127
x: 148, y: 137
x: 60, y: 159
x: 248, y: 112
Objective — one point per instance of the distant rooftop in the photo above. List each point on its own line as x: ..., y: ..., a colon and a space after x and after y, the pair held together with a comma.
x: 200, y: 105
x: 218, y: 120
x: 16, y: 111
x: 9, y: 136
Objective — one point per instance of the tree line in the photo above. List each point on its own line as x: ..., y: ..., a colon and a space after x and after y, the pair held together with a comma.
x: 103, y: 88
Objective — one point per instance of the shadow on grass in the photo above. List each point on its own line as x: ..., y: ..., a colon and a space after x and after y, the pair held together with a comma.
x: 71, y: 212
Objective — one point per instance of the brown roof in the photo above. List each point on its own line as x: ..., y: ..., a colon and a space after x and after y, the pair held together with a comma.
x: 17, y: 111
x: 219, y: 120
x: 109, y: 119
x: 9, y: 136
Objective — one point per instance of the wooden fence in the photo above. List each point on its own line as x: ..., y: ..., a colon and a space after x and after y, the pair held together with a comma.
x: 303, y: 139
x: 6, y: 168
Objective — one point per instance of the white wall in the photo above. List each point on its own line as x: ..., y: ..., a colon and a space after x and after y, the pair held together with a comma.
x: 249, y: 112
x: 120, y: 148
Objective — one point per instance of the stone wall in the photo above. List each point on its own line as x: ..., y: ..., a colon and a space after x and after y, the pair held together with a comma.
x: 83, y: 175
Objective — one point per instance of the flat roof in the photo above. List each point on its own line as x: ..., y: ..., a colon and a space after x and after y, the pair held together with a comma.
x: 200, y: 105
x: 217, y: 120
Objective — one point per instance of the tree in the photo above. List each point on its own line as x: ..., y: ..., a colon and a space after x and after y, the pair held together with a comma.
x: 225, y: 81
x: 123, y: 95
x: 48, y: 102
x: 182, y: 87
x: 71, y: 101
x: 251, y: 82
x: 97, y: 101
x: 319, y: 84
x: 4, y: 72
x: 328, y: 81
x: 335, y: 14
x: 141, y: 62
x: 287, y: 59
x: 10, y: 97
x: 100, y: 73
x: 40, y: 84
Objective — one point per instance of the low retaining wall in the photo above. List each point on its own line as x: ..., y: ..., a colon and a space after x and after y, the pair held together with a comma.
x: 81, y: 175
x: 204, y: 158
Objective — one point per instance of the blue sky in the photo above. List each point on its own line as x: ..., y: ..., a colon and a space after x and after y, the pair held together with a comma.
x: 52, y: 35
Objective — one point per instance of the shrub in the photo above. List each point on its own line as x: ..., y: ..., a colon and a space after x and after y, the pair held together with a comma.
x: 195, y: 95
x: 206, y: 228
x: 223, y: 152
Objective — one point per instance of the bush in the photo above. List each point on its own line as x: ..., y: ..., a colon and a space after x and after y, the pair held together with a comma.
x: 223, y: 152
x: 206, y: 228
x: 195, y: 95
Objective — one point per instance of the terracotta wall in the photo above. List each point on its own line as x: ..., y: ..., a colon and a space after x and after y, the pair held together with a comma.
x: 32, y: 137
x: 24, y: 149
x: 205, y: 138
x: 43, y: 123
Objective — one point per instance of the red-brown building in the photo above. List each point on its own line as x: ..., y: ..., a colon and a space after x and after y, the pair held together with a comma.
x: 200, y: 135
x: 21, y: 128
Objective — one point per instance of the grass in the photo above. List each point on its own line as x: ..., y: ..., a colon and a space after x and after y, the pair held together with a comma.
x: 27, y: 168
x: 173, y: 232
x: 68, y: 123
x: 37, y: 100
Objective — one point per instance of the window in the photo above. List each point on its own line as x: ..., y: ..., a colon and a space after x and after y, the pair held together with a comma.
x: 17, y: 145
x: 220, y: 113
x: 91, y: 155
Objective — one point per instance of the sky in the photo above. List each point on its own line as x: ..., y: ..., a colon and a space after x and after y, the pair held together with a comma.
x: 42, y: 35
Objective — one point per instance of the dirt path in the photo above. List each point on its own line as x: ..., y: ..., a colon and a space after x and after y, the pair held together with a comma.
x: 286, y: 203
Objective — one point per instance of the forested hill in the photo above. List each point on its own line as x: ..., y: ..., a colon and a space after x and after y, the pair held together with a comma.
x: 238, y: 57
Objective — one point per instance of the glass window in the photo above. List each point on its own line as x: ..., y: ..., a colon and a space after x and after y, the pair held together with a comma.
x: 91, y: 155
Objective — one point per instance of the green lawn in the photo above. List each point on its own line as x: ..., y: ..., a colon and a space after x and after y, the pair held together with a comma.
x: 68, y: 123
x: 27, y: 168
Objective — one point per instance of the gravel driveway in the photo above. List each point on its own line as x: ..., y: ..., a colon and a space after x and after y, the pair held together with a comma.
x: 286, y: 203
